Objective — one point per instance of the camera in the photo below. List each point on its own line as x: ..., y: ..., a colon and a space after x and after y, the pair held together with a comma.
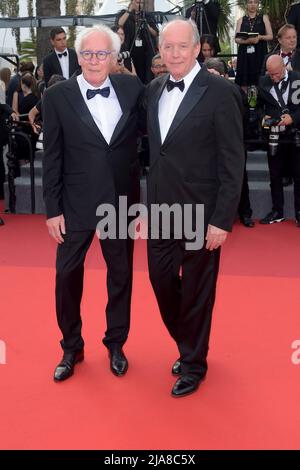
x: 271, y: 122
x: 273, y: 140
x: 123, y: 55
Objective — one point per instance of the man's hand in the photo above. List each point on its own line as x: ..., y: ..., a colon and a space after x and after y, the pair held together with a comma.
x: 57, y: 228
x: 14, y: 116
x: 215, y: 237
x: 286, y: 120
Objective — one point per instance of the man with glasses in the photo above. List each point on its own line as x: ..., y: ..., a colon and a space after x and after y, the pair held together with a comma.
x: 90, y: 131
x: 158, y: 67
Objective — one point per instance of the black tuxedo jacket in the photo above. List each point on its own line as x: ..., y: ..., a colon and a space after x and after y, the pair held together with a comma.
x: 52, y: 65
x: 202, y: 158
x: 295, y: 61
x: 271, y: 106
x: 80, y: 170
x: 294, y: 18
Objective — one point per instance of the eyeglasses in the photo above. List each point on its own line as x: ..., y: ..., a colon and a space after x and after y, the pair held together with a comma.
x: 100, y: 55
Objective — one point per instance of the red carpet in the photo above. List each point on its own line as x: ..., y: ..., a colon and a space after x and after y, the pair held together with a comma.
x: 250, y: 399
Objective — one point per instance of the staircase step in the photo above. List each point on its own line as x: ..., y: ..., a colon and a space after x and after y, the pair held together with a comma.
x: 258, y: 171
x: 38, y: 168
x: 23, y: 196
x: 257, y: 156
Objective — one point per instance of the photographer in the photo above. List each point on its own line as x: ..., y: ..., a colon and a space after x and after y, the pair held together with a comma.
x: 5, y: 112
x: 279, y: 95
x: 140, y: 37
x: 210, y: 18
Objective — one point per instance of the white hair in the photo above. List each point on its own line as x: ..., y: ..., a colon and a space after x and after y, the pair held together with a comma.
x: 99, y: 28
x: 195, y: 32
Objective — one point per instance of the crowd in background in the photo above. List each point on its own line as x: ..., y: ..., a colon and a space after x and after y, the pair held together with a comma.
x: 21, y: 93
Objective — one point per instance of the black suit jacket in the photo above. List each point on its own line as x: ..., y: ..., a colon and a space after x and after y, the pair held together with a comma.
x: 80, y: 170
x: 202, y: 158
x: 271, y: 106
x: 52, y: 65
x: 294, y: 18
x: 295, y: 60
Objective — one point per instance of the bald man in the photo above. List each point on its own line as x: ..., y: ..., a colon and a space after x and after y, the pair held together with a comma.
x: 278, y: 91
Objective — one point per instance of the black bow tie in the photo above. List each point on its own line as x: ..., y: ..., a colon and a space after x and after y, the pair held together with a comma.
x: 99, y: 91
x: 171, y: 85
x: 288, y: 54
x: 63, y: 53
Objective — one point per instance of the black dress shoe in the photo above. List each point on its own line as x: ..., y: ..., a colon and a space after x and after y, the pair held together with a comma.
x: 176, y: 369
x: 298, y: 219
x: 1, y: 221
x: 247, y: 222
x: 118, y: 361
x: 186, y: 385
x: 65, y: 368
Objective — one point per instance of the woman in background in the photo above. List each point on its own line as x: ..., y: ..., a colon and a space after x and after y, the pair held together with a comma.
x: 252, y: 51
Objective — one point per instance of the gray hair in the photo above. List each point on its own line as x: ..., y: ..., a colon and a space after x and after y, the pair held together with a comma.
x: 216, y: 64
x: 195, y: 32
x: 100, y: 28
x: 157, y: 56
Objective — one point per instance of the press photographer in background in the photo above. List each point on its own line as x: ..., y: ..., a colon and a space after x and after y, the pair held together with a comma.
x: 279, y: 95
x: 208, y: 24
x: 5, y: 112
x: 140, y: 37
x: 124, y: 62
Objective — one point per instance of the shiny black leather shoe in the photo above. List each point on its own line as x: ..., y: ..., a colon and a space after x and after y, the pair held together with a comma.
x: 65, y: 368
x: 186, y: 385
x: 247, y: 222
x: 1, y: 221
x: 118, y: 361
x: 176, y: 369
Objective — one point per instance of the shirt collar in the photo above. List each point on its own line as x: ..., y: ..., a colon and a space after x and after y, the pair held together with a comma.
x: 86, y: 85
x: 57, y: 52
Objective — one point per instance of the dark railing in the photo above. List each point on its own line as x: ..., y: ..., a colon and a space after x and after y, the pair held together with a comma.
x: 16, y: 131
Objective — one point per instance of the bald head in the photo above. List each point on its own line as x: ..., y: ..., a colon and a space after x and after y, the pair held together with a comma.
x: 276, y: 68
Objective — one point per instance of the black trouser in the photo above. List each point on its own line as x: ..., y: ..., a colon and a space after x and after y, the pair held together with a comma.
x: 185, y: 303
x: 2, y: 173
x: 71, y: 254
x: 245, y: 205
x: 276, y: 168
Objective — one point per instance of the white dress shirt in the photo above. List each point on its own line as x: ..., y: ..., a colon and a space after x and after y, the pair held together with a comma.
x: 106, y: 112
x: 170, y: 101
x: 285, y: 95
x: 64, y: 63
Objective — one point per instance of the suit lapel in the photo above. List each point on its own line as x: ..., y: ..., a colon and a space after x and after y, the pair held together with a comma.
x: 80, y: 108
x: 56, y: 63
x: 123, y: 96
x: 192, y: 97
x: 154, y: 107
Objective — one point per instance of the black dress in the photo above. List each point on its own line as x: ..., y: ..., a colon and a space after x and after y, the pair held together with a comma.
x: 249, y: 65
